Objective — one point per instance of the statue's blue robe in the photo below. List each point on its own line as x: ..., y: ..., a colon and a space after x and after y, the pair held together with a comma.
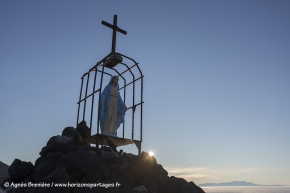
x: 105, y: 97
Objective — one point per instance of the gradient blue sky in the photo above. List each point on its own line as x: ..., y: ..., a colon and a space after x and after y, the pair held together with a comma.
x: 217, y: 74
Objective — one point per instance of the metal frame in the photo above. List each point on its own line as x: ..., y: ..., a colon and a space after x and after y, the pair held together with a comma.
x: 101, y: 70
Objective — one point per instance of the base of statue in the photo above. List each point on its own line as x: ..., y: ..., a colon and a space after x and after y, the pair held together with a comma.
x: 100, y: 139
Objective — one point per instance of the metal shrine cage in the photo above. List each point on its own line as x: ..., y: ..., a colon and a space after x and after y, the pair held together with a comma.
x: 131, y: 90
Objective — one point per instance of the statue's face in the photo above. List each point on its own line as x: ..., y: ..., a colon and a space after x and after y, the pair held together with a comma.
x: 115, y: 80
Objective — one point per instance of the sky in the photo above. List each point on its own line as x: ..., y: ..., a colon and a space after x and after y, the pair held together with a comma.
x: 216, y: 80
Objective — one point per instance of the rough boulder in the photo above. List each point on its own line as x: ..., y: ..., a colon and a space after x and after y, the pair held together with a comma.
x: 81, y: 168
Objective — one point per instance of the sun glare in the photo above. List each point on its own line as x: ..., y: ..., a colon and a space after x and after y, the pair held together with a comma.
x: 151, y: 153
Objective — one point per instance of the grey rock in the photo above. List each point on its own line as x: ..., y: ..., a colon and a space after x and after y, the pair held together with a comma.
x: 96, y: 161
x: 97, y: 150
x: 108, y: 156
x: 9, y: 180
x: 140, y: 189
x: 43, y: 170
x: 73, y: 133
x: 60, y: 143
x: 20, y: 169
x: 83, y: 129
x: 128, y: 156
x: 50, y: 156
x: 160, y: 174
x: 103, y: 168
x: 66, y: 159
x: 92, y: 177
x: 199, y: 189
x: 178, y: 185
x: 114, y: 174
x: 25, y: 181
x: 149, y: 183
x: 59, y: 175
x: 43, y: 151
x: 114, y: 167
x: 10, y: 189
x: 136, y: 169
x: 77, y: 162
x: 84, y: 145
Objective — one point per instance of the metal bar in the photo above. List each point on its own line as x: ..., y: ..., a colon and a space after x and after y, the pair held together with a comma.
x: 138, y: 145
x: 122, y: 31
x: 141, y: 113
x: 111, y: 26
x: 114, y: 34
x: 96, y: 66
x: 101, y: 83
x: 141, y: 110
x: 133, y: 114
x: 79, y: 102
x: 93, y: 98
x: 136, y: 105
x: 107, y: 24
x: 105, y: 72
x: 92, y: 69
x: 128, y: 68
x: 131, y: 82
x: 89, y: 96
x: 85, y: 74
x: 137, y: 64
x: 126, y: 106
x: 85, y: 103
x: 133, y: 110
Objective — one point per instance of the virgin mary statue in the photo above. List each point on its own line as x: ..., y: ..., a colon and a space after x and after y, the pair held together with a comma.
x: 112, y: 108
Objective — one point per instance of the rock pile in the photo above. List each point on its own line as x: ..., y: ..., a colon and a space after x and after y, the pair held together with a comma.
x: 81, y: 168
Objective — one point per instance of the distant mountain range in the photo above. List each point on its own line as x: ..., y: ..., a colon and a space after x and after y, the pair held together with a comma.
x: 233, y: 183
x: 3, y: 171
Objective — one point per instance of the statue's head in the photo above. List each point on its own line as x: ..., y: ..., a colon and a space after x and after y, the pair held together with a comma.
x: 114, y: 80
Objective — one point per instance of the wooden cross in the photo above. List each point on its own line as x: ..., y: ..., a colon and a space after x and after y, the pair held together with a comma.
x: 115, y: 29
